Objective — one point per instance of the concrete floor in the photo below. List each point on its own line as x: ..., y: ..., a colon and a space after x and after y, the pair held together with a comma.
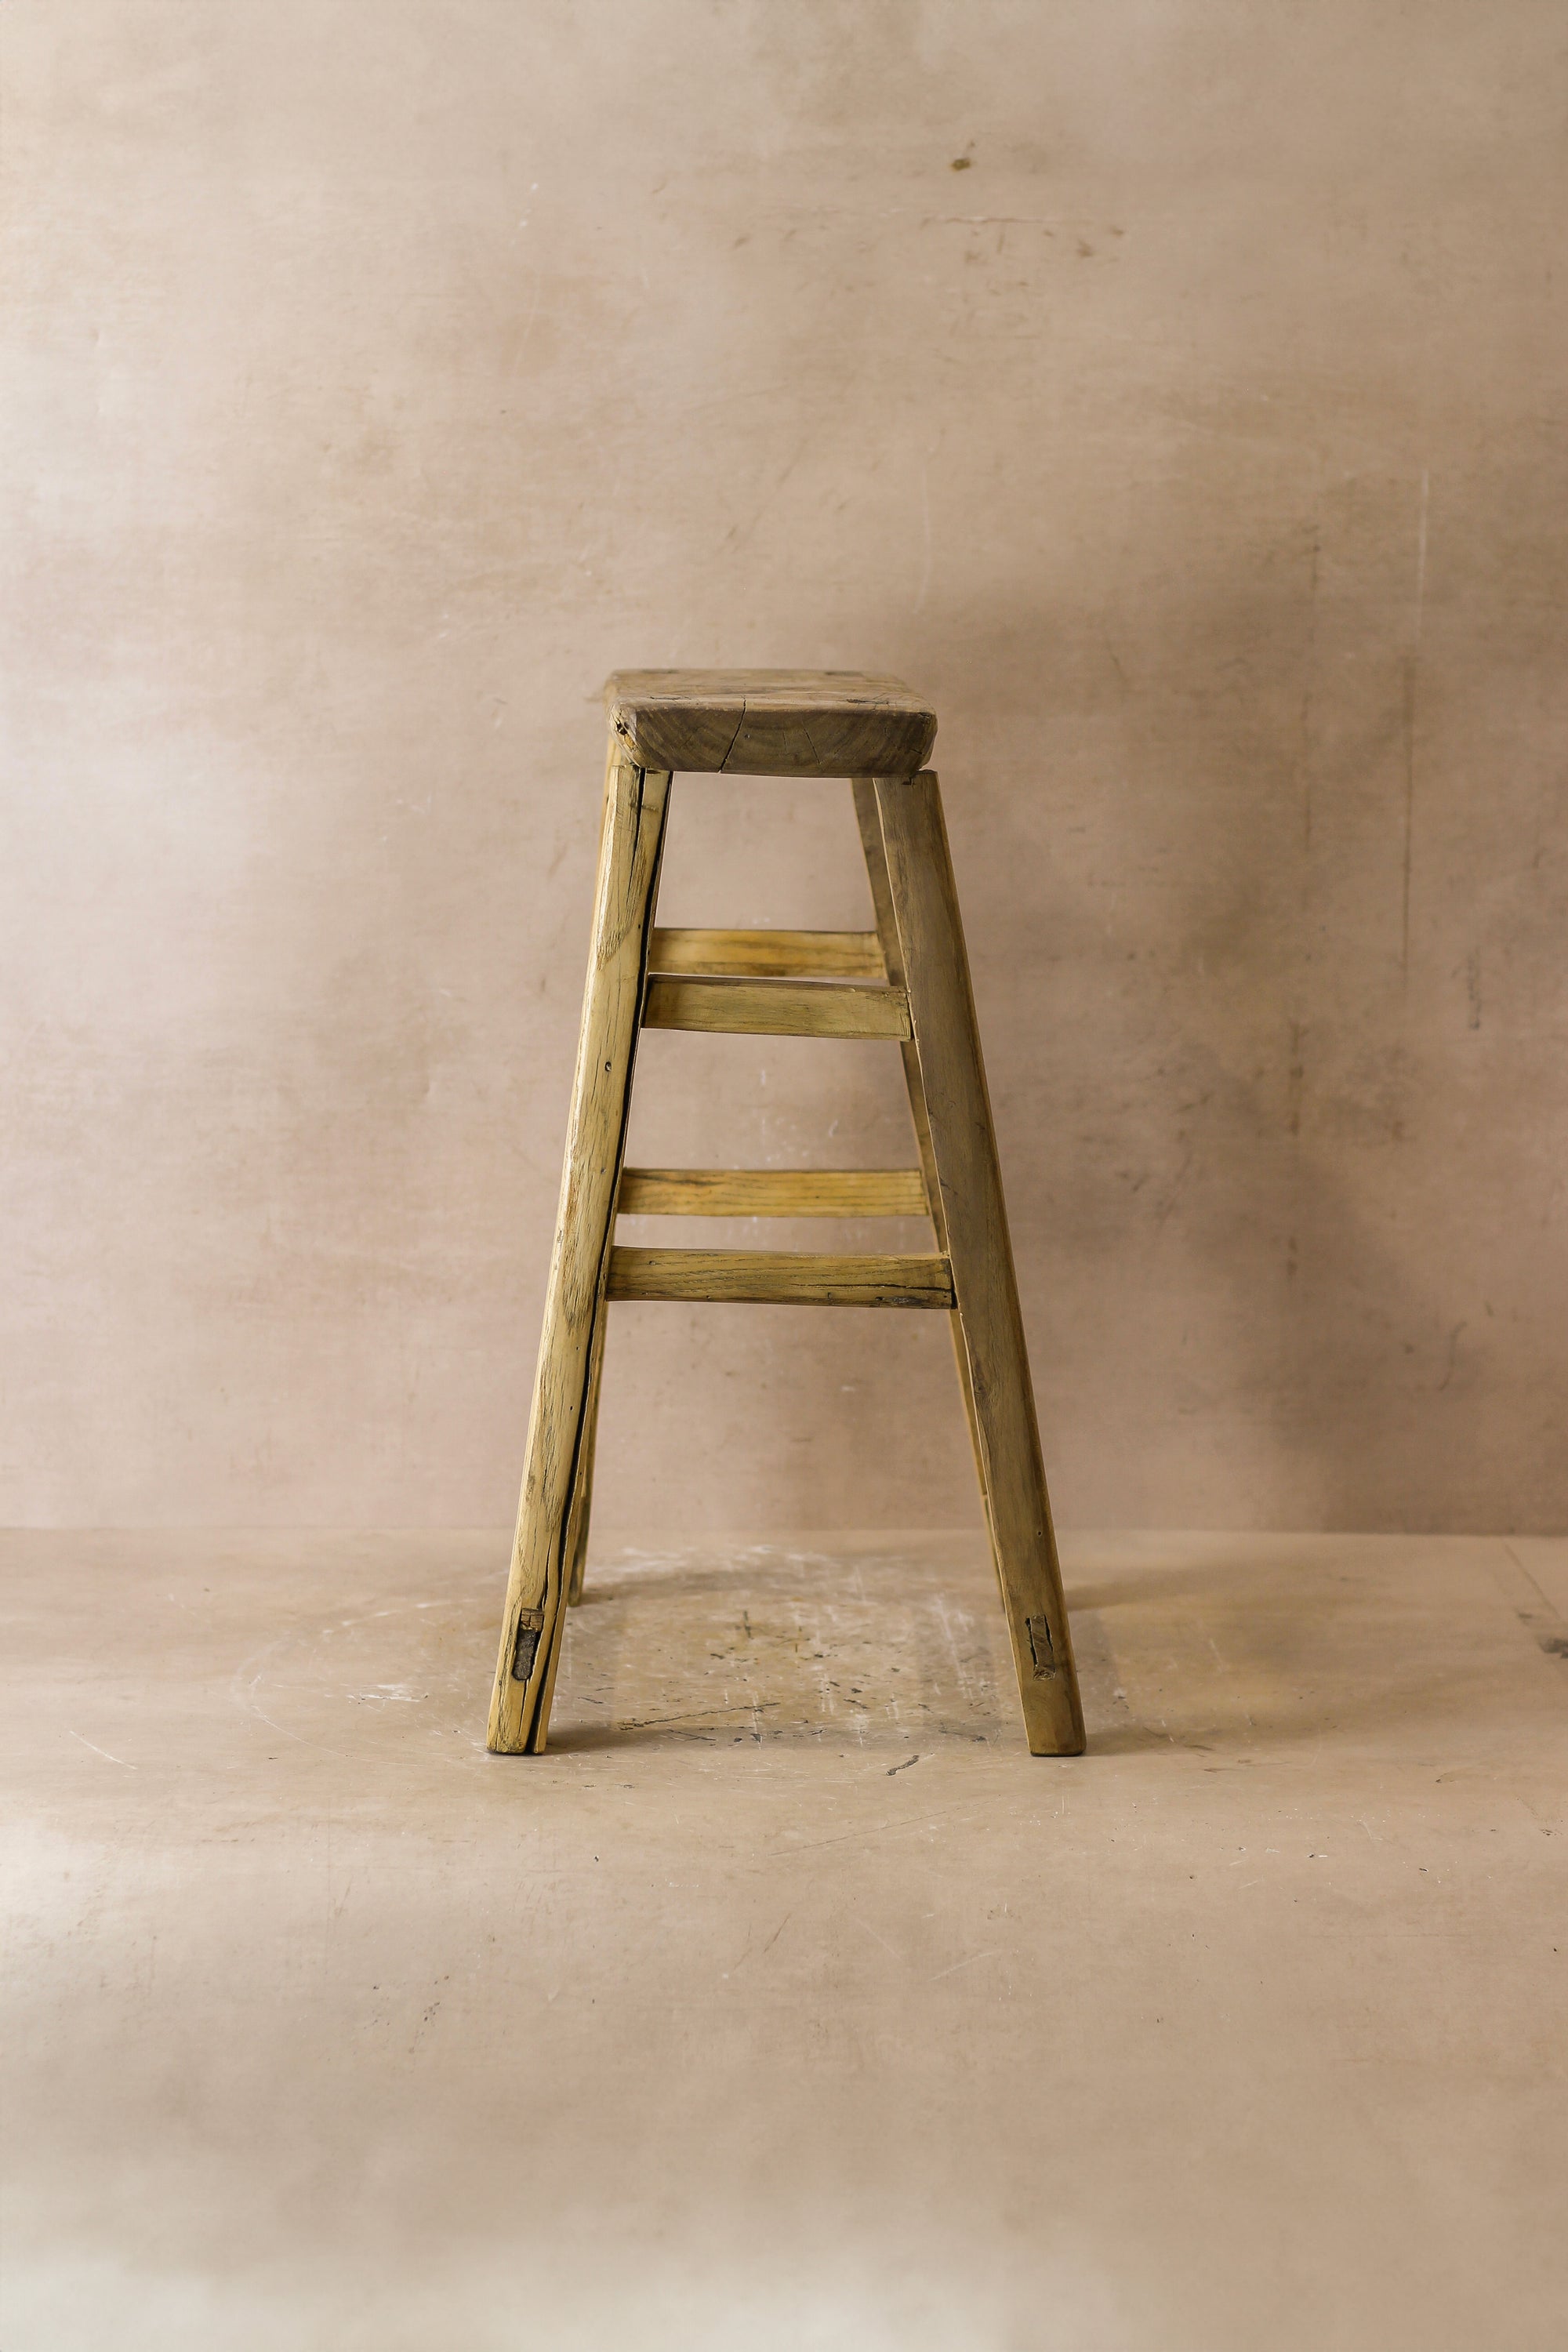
x: 787, y: 2002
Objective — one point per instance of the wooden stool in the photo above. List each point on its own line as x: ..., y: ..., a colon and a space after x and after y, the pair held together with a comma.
x: 906, y: 979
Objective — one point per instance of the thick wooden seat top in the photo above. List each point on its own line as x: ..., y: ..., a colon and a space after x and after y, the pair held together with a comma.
x: 770, y: 722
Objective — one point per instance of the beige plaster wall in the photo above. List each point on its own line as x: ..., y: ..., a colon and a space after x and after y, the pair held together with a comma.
x: 381, y: 373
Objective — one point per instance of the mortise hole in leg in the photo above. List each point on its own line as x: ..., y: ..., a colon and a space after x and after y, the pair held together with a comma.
x: 1040, y: 1650
x: 529, y: 1625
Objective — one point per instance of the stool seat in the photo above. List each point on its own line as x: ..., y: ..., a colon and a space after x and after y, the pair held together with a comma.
x: 770, y: 722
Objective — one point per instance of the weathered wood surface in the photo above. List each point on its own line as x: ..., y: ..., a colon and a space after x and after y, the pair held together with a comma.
x: 631, y: 843
x: 779, y: 1278
x: 870, y: 825
x: 775, y: 1008
x: 582, y: 1494
x: 778, y: 955
x: 771, y: 1193
x: 972, y: 1226
x: 770, y: 722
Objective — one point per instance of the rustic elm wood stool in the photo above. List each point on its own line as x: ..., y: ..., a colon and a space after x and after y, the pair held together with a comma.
x: 909, y: 981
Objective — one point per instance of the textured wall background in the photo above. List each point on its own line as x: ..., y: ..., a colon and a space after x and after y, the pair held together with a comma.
x: 381, y: 373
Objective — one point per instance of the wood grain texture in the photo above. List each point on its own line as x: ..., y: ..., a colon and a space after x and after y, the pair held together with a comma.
x: 973, y: 1223
x: 583, y: 1493
x: 775, y: 1008
x: 870, y: 825
x: 779, y: 1278
x: 770, y: 722
x: 778, y: 955
x: 631, y: 844
x: 771, y: 1193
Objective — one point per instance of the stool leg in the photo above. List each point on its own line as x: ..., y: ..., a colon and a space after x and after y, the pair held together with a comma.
x: 959, y: 1144
x: 631, y: 843
x: 870, y: 825
x: 582, y: 1499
